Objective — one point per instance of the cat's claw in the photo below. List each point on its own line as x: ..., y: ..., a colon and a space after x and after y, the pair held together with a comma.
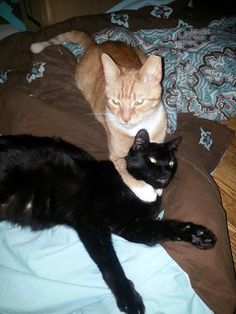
x: 198, y: 235
x: 131, y: 304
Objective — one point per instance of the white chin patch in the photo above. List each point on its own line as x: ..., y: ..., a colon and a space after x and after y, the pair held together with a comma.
x: 147, y: 193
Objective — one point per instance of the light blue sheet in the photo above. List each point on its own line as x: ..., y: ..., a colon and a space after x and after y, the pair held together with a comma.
x: 50, y: 272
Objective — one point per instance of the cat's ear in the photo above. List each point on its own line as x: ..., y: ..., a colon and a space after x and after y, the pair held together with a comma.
x: 173, y: 144
x: 141, y: 140
x: 111, y: 70
x: 151, y: 71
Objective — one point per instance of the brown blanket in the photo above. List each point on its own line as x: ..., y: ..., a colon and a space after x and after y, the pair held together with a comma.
x: 52, y: 105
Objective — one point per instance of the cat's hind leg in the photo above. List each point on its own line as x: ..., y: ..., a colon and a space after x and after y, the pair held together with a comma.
x: 97, y: 242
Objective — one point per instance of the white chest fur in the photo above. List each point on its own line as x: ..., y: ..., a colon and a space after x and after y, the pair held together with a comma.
x: 147, y: 193
x: 149, y: 123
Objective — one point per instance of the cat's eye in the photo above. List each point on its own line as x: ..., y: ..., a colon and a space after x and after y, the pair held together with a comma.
x: 171, y: 163
x: 115, y: 102
x: 139, y: 102
x: 153, y: 160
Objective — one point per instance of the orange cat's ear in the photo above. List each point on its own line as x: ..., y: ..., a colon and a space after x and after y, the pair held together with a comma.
x: 151, y: 71
x: 111, y: 70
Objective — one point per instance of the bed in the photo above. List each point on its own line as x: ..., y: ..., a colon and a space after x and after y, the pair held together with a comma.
x: 50, y: 271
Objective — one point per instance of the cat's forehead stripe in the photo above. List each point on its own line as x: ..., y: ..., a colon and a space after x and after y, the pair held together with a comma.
x: 130, y: 87
x: 127, y: 87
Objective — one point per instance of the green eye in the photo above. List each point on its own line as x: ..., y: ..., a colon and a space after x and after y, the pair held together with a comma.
x: 171, y: 163
x: 153, y: 160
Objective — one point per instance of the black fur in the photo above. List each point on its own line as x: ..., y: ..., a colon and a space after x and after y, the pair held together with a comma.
x: 47, y: 182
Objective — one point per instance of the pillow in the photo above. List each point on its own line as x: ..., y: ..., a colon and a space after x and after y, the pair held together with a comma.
x: 41, y: 100
x: 194, y: 196
x: 205, y: 139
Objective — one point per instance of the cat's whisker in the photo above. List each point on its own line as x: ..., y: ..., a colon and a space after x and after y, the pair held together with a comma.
x: 94, y: 123
x: 103, y: 113
x: 110, y: 118
x: 175, y: 178
x: 97, y: 113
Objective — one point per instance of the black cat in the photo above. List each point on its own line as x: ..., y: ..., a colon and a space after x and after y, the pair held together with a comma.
x: 46, y: 182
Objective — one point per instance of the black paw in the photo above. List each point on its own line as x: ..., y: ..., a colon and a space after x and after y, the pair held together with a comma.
x: 130, y: 302
x: 198, y: 235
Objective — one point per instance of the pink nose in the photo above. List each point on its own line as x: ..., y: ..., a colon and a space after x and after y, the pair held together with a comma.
x: 126, y: 119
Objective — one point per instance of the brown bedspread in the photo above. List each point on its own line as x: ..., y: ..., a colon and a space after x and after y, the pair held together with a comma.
x: 52, y: 105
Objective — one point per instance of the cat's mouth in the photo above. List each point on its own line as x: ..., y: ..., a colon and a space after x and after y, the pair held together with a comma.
x: 159, y: 183
x: 162, y: 181
x: 127, y: 125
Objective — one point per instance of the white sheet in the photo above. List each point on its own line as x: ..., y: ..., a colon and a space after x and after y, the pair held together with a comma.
x: 50, y: 272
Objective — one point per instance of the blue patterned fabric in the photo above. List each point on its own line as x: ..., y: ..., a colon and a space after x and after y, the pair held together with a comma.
x: 37, y: 70
x: 199, y: 66
x: 3, y: 76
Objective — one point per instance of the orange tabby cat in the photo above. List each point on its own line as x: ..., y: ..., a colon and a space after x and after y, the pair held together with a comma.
x: 123, y: 87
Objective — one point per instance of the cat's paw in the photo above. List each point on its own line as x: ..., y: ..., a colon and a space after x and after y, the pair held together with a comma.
x: 131, y: 303
x: 198, y: 235
x: 146, y: 193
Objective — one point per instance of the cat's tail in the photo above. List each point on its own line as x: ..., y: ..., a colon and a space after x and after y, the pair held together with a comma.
x: 74, y: 36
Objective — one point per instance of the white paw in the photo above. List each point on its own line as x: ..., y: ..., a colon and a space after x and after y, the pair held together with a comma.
x: 146, y: 193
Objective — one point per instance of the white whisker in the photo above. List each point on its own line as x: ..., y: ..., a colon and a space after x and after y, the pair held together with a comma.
x: 94, y: 122
x: 100, y: 114
x: 97, y: 113
x: 110, y: 119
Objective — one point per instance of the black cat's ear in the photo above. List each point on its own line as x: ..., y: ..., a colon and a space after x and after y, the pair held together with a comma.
x: 141, y: 140
x: 173, y: 144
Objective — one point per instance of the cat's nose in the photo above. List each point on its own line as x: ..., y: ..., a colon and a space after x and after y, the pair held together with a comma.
x: 126, y: 119
x: 126, y: 114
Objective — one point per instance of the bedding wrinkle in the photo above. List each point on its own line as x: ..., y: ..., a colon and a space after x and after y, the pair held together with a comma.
x: 197, y: 46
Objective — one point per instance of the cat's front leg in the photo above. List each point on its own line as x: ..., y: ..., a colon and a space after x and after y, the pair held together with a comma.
x: 152, y: 232
x: 141, y: 189
x: 198, y: 235
x: 97, y: 242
